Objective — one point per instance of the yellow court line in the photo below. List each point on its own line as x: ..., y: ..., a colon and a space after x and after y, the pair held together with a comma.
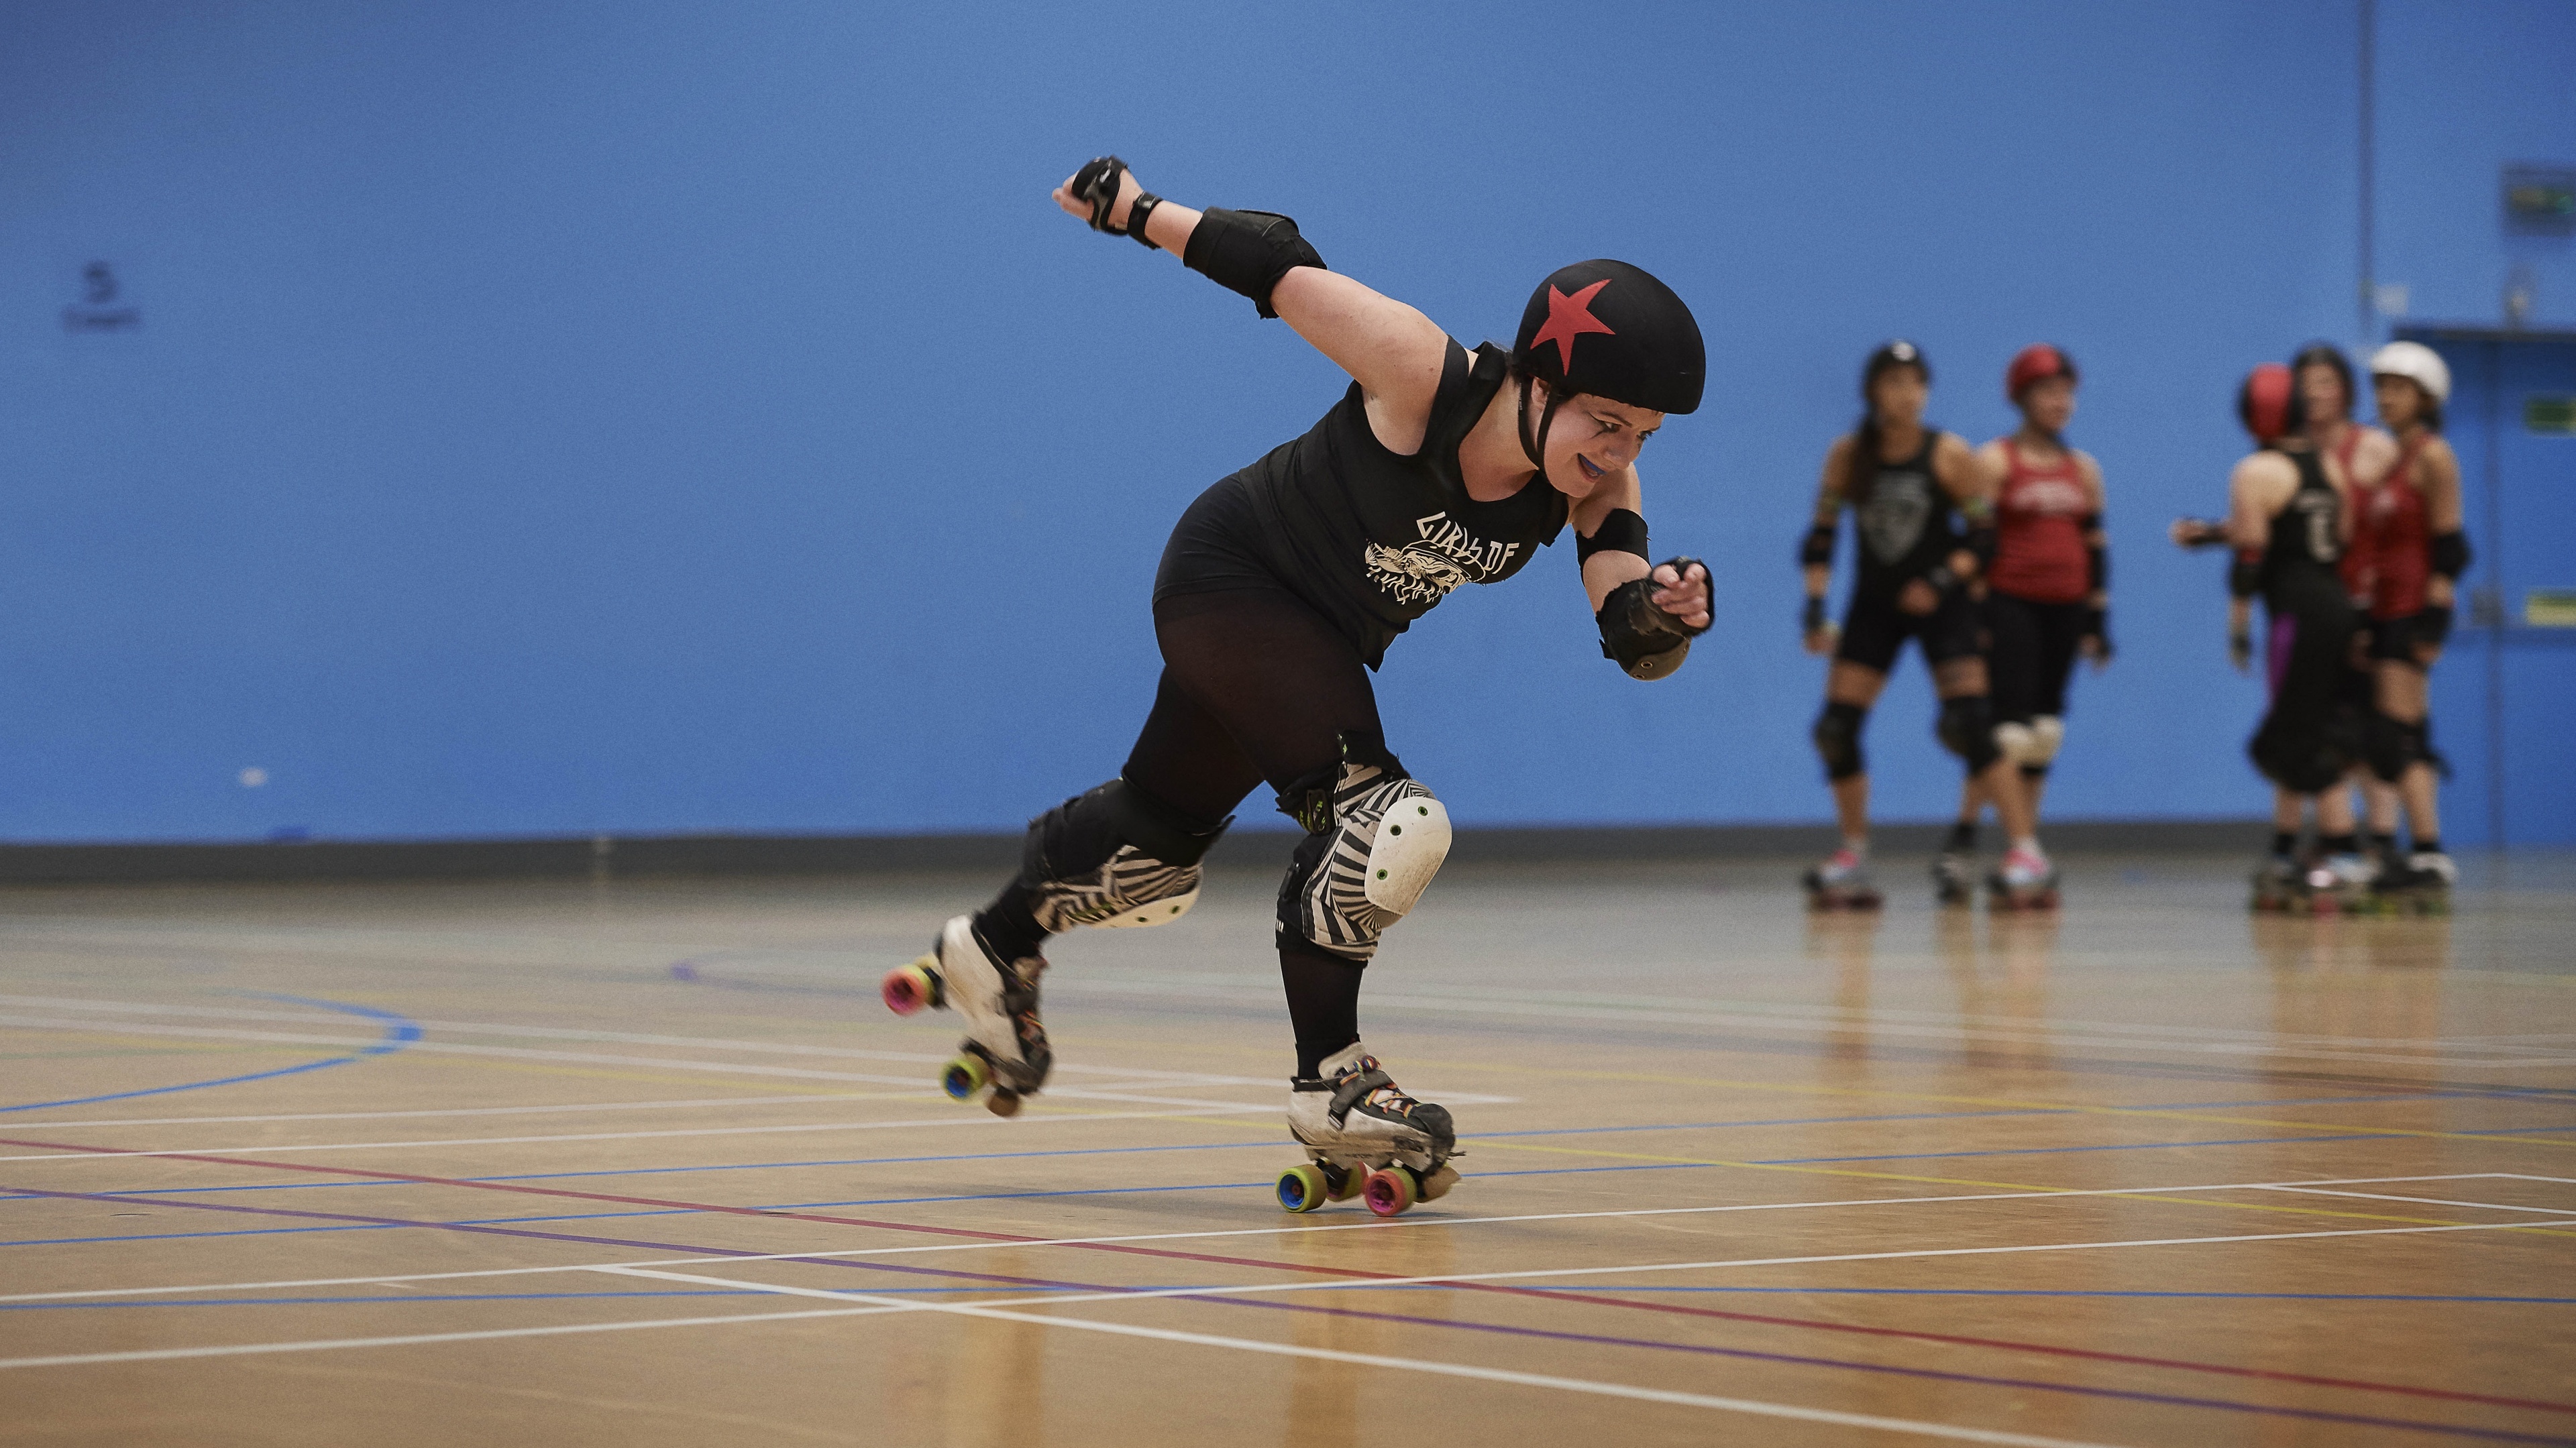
x: 1999, y: 1102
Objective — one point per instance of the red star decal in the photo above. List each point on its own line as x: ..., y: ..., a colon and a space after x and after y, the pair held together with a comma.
x: 1567, y: 319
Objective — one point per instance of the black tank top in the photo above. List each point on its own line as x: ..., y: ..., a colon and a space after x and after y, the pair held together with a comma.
x: 1906, y: 523
x: 2306, y: 540
x: 1370, y: 538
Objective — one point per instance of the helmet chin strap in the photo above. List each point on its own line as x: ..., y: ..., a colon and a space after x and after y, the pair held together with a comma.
x: 1536, y: 444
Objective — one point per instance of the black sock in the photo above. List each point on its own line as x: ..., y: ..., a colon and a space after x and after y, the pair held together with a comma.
x: 1008, y: 927
x: 2347, y: 843
x: 2383, y: 845
x: 2432, y: 846
x: 1963, y: 835
x: 1323, y: 1002
x: 2284, y: 841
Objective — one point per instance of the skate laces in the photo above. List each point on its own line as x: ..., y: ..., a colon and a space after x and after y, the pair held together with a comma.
x: 1366, y: 1083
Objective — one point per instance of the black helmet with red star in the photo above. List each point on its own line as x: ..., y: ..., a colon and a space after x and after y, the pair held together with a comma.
x: 1612, y: 330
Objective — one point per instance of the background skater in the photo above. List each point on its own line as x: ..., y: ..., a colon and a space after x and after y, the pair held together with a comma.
x: 1279, y: 592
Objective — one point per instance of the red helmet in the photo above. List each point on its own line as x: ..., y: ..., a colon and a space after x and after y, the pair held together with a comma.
x: 2034, y: 363
x: 2269, y: 403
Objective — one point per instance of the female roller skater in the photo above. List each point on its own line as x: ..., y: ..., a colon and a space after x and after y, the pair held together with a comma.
x: 1909, y: 486
x: 2047, y: 592
x: 2288, y: 518
x: 1280, y: 590
x: 2407, y: 527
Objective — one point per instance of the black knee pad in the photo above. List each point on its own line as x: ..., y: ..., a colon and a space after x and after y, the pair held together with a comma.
x: 1837, y: 738
x: 1106, y: 855
x: 1967, y: 729
x: 2390, y: 745
x: 2302, y: 760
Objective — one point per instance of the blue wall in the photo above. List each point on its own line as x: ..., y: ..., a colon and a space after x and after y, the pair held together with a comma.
x: 645, y: 417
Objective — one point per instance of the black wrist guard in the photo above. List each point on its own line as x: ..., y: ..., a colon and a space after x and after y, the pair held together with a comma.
x: 1811, y: 619
x: 1644, y: 640
x: 1248, y: 252
x: 1137, y: 210
x: 1097, y: 184
x: 2198, y: 532
x: 2245, y: 577
x: 2451, y: 555
x: 1622, y: 532
x: 2240, y: 648
x: 2434, y: 623
x: 1980, y: 544
x: 1817, y: 550
x: 2097, y: 625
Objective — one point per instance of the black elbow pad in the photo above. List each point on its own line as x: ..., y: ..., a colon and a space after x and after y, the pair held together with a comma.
x: 1817, y: 551
x: 2451, y: 555
x: 1248, y: 252
x: 2245, y: 577
x: 1644, y: 640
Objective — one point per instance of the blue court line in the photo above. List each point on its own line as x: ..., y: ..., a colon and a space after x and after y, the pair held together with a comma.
x: 399, y: 1031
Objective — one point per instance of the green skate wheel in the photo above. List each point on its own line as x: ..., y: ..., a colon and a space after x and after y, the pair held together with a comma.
x: 1390, y: 1190
x: 963, y: 1077
x: 1341, y: 1183
x: 1301, y: 1188
x: 909, y: 988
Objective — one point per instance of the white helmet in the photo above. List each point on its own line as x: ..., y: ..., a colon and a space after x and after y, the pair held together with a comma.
x: 2417, y: 363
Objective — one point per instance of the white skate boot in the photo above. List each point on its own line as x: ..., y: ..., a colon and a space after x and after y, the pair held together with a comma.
x: 1365, y: 1138
x: 1005, y: 1047
x: 1841, y: 882
x: 2025, y: 881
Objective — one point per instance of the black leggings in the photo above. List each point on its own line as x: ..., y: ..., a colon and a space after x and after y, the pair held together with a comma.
x: 2031, y: 649
x: 1257, y: 687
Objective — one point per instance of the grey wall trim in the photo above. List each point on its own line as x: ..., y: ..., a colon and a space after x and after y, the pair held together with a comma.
x: 664, y: 856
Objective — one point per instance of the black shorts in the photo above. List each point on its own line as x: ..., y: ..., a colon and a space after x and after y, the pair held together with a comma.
x: 2394, y: 639
x: 2030, y: 650
x: 1874, y: 629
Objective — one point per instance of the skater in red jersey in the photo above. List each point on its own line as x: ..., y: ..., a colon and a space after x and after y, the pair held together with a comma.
x: 2048, y: 593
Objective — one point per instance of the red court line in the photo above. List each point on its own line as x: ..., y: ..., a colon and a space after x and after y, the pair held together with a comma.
x: 1354, y: 1274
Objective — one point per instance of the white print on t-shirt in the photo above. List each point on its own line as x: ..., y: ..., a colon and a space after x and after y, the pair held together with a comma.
x: 1445, y: 556
x: 2050, y: 498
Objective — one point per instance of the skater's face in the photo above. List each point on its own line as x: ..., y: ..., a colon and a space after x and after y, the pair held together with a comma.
x: 1591, y: 440
x: 2401, y: 402
x: 2049, y: 404
x: 1898, y: 397
x: 2322, y: 387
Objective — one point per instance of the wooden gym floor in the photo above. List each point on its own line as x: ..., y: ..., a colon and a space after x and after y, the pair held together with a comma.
x: 646, y: 1164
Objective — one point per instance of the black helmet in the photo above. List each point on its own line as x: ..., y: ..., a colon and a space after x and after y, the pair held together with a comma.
x: 1892, y: 354
x: 1612, y: 330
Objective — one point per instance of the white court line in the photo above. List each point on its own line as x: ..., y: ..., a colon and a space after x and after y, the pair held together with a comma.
x: 2425, y: 1201
x: 1209, y: 1109
x: 450, y: 1111
x: 1407, y: 1224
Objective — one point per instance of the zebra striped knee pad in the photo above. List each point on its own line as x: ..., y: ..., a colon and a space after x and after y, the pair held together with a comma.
x: 1112, y: 857
x: 1364, y: 869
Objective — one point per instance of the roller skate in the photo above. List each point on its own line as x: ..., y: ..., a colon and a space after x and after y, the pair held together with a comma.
x: 1841, y: 882
x: 1364, y: 1137
x: 2341, y: 884
x: 2280, y: 885
x: 2419, y: 885
x: 1954, y: 874
x: 2024, y: 881
x: 1004, y: 1056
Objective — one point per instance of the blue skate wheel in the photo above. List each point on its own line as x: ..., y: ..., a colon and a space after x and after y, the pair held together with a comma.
x: 1301, y: 1188
x: 963, y: 1077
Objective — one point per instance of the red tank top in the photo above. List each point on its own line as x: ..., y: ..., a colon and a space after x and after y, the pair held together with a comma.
x: 2360, y: 563
x: 2039, y: 535
x: 2392, y: 516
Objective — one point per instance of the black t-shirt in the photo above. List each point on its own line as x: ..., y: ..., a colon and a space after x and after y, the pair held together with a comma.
x: 1906, y: 521
x: 1371, y: 539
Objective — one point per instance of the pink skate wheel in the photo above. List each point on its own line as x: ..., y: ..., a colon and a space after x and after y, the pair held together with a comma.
x: 1389, y: 1190
x: 908, y: 988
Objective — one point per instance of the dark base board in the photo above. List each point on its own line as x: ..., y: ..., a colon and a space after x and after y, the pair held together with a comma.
x: 649, y: 856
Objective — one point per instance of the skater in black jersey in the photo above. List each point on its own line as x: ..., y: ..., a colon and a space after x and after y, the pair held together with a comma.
x: 2048, y: 590
x: 1924, y: 511
x: 1279, y: 592
x: 2288, y: 520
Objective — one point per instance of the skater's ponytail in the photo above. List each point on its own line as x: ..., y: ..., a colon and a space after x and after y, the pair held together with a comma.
x: 1861, y: 468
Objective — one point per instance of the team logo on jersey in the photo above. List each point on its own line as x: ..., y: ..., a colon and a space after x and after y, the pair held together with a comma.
x: 1444, y: 556
x: 1569, y: 318
x: 1891, y: 522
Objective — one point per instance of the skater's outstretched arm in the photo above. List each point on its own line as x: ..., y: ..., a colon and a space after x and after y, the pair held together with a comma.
x: 1391, y: 349
x: 1816, y: 551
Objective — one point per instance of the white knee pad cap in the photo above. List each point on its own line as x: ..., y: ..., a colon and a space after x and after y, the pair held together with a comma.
x: 2016, y: 741
x: 1412, y: 840
x: 2047, y: 732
